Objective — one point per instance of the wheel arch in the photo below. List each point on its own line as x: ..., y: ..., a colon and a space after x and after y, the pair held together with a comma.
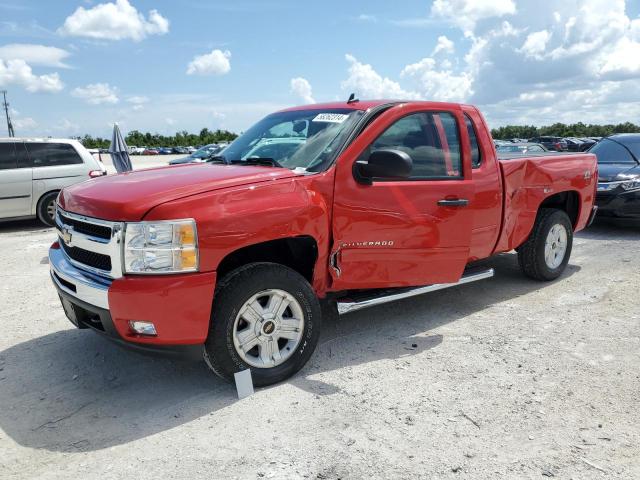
x: 299, y: 253
x: 568, y: 201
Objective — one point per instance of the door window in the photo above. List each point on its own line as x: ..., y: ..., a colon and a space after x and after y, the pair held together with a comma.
x: 52, y: 154
x: 7, y: 156
x: 476, y: 159
x: 431, y: 140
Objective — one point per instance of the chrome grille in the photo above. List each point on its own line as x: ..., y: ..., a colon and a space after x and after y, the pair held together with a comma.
x: 90, y: 243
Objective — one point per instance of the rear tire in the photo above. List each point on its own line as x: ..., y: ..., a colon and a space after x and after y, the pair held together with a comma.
x: 46, y: 209
x: 545, y: 254
x: 255, y: 323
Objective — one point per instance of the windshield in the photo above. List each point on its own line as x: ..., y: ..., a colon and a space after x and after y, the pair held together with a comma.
x: 301, y: 139
x: 609, y: 150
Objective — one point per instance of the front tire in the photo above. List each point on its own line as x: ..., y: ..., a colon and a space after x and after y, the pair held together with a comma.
x: 46, y: 209
x: 545, y: 254
x: 265, y: 317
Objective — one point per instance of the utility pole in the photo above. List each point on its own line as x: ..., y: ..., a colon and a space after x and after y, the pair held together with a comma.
x: 12, y: 133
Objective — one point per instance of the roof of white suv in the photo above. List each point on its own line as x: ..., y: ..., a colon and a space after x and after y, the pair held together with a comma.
x: 37, y: 140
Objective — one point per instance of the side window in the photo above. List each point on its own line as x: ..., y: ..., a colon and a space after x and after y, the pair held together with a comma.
x: 476, y: 158
x: 7, y: 156
x: 52, y: 154
x: 431, y: 140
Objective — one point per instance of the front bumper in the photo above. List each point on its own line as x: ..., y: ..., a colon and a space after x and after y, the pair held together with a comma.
x: 619, y: 205
x: 178, y: 305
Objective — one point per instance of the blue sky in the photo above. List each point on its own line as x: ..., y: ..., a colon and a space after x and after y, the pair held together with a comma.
x: 74, y: 67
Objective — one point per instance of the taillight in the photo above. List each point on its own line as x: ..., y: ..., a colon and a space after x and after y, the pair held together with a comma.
x: 96, y: 173
x: 558, y: 146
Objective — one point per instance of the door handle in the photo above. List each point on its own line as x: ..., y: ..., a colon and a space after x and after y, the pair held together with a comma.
x: 457, y: 202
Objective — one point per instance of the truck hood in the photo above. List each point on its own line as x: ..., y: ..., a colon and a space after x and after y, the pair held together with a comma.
x: 611, y: 172
x: 129, y: 196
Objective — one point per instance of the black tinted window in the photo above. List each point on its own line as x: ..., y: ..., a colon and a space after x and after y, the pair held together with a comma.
x: 430, y: 139
x: 609, y: 151
x: 52, y: 154
x: 476, y: 159
x: 7, y: 156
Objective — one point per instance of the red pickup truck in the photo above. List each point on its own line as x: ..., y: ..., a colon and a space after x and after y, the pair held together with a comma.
x: 315, y: 209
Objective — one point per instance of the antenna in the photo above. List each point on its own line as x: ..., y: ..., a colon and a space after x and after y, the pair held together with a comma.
x: 352, y: 98
x: 12, y: 133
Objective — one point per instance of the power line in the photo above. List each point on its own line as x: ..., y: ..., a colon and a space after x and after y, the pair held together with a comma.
x: 12, y: 133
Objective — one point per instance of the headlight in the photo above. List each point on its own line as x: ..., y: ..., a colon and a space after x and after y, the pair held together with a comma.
x: 631, y: 184
x: 161, y: 247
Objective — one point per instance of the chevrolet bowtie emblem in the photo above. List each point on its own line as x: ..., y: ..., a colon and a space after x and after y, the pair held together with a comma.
x: 66, y: 236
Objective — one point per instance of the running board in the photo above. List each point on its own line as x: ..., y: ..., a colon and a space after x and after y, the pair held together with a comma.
x: 368, y: 300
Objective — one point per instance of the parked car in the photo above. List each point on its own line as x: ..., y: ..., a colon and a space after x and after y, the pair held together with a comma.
x: 150, y: 151
x: 33, y: 171
x: 557, y: 144
x: 137, y: 150
x: 236, y: 260
x: 587, y: 143
x: 618, y: 194
x: 574, y: 144
x: 199, y: 156
x: 179, y: 150
x: 191, y: 149
x: 522, y: 148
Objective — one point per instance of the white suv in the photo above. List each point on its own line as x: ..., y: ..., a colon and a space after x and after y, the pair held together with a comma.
x: 33, y: 171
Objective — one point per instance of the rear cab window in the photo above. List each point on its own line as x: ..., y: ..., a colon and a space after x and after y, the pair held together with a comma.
x: 476, y: 156
x: 52, y: 154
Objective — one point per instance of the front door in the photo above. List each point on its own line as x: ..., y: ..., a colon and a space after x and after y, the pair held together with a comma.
x: 15, y: 181
x: 408, y: 232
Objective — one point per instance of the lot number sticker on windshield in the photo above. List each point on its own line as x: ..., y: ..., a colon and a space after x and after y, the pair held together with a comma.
x: 330, y: 117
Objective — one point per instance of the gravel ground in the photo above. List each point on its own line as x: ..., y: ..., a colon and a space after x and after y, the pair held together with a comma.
x: 504, y: 378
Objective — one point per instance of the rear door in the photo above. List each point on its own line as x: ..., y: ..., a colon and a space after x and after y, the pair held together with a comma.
x: 15, y: 181
x: 408, y: 232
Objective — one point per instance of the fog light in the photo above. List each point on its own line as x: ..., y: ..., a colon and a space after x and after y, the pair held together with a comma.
x: 143, y: 328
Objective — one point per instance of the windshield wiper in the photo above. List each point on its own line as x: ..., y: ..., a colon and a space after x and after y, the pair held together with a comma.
x: 262, y: 161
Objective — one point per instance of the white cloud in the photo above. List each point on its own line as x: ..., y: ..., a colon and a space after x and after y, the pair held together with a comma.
x: 42, y: 55
x: 138, y: 99
x: 18, y: 72
x: 138, y: 102
x: 68, y: 127
x: 466, y: 13
x: 26, y: 123
x: 438, y: 83
x: 214, y: 63
x: 114, y: 21
x: 97, y: 93
x: 365, y: 82
x: 365, y: 17
x: 302, y: 88
x: 444, y: 45
x: 536, y: 44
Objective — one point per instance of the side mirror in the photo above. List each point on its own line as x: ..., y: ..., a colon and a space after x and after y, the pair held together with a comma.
x: 385, y: 163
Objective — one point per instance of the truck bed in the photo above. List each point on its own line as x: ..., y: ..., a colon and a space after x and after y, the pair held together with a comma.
x: 529, y: 179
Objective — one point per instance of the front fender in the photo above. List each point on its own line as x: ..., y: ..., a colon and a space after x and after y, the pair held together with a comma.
x: 241, y: 216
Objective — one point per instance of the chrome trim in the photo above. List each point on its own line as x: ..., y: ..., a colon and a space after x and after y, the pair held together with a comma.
x: 89, y: 289
x: 111, y: 247
x: 351, y: 306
